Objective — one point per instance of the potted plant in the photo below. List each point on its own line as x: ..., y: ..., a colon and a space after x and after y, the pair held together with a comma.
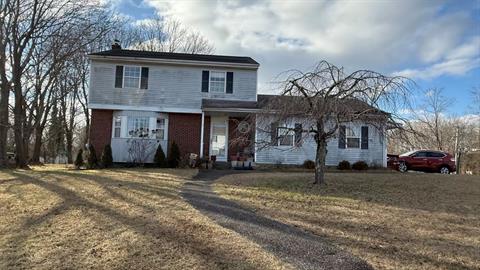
x: 234, y: 160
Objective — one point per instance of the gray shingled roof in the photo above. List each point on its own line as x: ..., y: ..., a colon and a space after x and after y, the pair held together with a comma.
x: 178, y: 56
x: 234, y: 104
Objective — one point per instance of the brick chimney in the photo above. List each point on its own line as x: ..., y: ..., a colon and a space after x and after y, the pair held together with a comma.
x: 116, y: 45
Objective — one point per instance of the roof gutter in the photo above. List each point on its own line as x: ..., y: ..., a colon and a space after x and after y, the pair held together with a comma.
x: 173, y: 61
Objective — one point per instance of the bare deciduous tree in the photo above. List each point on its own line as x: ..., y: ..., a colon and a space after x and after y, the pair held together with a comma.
x: 167, y: 35
x: 324, y: 98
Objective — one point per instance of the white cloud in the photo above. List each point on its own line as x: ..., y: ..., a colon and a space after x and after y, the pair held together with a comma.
x: 381, y: 35
x: 457, y: 61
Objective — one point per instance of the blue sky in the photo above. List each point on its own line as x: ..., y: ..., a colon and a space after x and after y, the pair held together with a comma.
x: 436, y: 43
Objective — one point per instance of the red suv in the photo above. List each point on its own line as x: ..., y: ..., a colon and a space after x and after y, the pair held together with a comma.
x: 426, y: 160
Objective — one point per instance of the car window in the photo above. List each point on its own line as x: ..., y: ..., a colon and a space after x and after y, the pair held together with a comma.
x: 435, y: 154
x: 421, y: 154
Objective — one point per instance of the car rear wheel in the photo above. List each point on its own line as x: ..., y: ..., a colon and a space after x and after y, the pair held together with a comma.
x: 444, y: 170
x: 402, y: 167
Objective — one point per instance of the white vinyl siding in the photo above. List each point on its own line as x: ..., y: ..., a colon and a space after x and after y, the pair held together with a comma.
x: 375, y: 154
x: 168, y: 87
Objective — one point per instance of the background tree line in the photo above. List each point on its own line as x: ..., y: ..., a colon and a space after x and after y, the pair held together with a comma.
x: 44, y: 69
x: 434, y: 128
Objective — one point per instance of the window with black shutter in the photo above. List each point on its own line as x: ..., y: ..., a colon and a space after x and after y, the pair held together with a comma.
x: 341, y: 137
x: 365, y: 137
x: 298, y: 134
x: 274, y: 133
x: 144, y: 78
x: 205, y: 80
x: 229, y: 87
x: 119, y: 77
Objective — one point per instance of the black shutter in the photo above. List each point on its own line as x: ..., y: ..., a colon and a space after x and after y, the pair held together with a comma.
x: 364, y: 137
x: 229, y: 82
x: 274, y: 133
x: 341, y: 137
x: 144, y: 78
x: 119, y: 77
x: 298, y: 134
x: 205, y: 80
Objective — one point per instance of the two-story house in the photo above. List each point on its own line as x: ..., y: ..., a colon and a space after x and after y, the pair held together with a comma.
x: 198, y: 101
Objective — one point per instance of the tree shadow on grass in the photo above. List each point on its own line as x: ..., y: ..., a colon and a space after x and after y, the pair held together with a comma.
x: 382, y: 239
x: 151, y: 228
x: 302, y: 249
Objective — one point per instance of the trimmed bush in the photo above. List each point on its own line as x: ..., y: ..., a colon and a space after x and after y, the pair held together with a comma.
x: 159, y: 159
x: 309, y: 164
x: 343, y: 165
x: 79, y: 160
x: 92, y: 160
x: 174, y: 155
x: 360, y: 166
x: 107, y: 159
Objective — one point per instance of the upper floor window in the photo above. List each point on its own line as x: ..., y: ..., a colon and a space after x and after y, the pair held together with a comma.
x: 131, y: 77
x: 217, y: 82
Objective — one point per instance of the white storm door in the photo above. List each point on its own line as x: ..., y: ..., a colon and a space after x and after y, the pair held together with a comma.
x: 219, y: 139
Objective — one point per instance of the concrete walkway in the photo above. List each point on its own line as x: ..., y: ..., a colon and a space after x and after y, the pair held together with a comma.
x: 301, y: 249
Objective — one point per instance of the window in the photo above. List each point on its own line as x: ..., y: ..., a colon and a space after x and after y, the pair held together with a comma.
x: 435, y: 154
x: 131, y: 77
x: 420, y: 154
x: 117, y: 127
x: 353, y: 138
x: 160, y: 131
x: 217, y: 82
x: 138, y: 127
x: 285, y: 136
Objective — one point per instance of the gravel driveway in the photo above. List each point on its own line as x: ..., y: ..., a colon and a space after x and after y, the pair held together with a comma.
x: 296, y: 247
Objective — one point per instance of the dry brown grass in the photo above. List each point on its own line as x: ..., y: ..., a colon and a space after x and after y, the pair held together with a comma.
x: 394, y: 221
x: 55, y: 218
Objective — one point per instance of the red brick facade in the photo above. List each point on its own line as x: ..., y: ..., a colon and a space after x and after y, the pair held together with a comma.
x: 100, y: 129
x: 184, y: 129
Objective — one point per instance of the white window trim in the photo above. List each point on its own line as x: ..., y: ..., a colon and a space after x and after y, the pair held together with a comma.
x: 152, y: 123
x: 210, y: 80
x: 359, y: 137
x: 139, y: 79
x: 113, y: 126
x: 290, y: 129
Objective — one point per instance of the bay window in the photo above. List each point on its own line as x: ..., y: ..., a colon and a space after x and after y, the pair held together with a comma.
x: 160, y: 131
x: 117, y: 127
x: 138, y: 127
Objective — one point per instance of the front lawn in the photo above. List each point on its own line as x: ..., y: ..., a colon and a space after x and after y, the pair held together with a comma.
x: 392, y: 220
x: 56, y: 218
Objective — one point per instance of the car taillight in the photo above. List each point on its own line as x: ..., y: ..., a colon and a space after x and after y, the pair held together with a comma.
x: 452, y: 160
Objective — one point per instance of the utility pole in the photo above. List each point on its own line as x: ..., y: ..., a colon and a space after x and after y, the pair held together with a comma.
x: 457, y: 150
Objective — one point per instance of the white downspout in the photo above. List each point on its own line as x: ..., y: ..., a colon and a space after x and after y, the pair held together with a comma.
x: 201, y: 134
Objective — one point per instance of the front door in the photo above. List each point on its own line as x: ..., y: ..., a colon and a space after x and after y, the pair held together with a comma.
x: 219, y: 138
